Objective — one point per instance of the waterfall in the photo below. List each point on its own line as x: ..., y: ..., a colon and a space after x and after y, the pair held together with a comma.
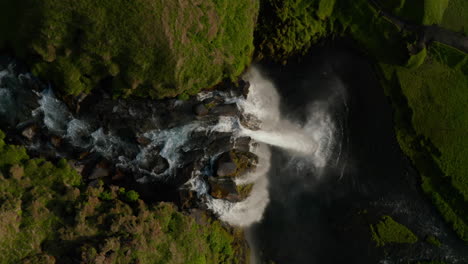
x: 311, y: 142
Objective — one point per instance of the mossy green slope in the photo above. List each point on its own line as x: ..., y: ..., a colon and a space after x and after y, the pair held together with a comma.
x: 431, y: 125
x: 48, y: 216
x: 149, y: 48
x: 388, y: 231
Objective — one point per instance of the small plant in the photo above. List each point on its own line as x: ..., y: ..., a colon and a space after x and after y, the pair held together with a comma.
x: 132, y: 196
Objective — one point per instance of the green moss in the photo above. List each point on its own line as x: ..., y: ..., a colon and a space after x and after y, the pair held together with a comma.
x: 244, y: 190
x: 456, y: 16
x: 430, y: 125
x: 245, y: 161
x: 389, y: 231
x: 290, y: 27
x: 433, y: 241
x: 434, y: 11
x: 417, y: 59
x: 151, y: 48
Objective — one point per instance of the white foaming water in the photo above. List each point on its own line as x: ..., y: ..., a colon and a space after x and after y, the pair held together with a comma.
x: 56, y: 114
x: 311, y: 142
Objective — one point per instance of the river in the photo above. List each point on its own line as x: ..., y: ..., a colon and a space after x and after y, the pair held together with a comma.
x: 323, y: 215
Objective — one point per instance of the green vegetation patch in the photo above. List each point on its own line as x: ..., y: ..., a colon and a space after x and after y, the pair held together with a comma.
x: 456, y: 16
x: 417, y: 59
x: 389, y: 231
x: 148, y: 48
x: 48, y: 216
x: 290, y: 27
x: 431, y: 124
x: 433, y: 241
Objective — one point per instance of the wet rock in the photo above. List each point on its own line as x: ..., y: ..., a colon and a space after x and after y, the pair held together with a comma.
x: 77, y: 166
x: 225, y: 166
x: 219, y: 145
x: 56, y: 141
x: 224, y: 189
x: 235, y: 162
x: 16, y: 171
x: 29, y: 132
x: 226, y: 110
x: 250, y: 122
x: 200, y: 110
x: 243, y: 144
x: 100, y: 171
x: 119, y: 175
x: 155, y: 163
x: 161, y: 165
x: 187, y: 198
x: 245, y: 87
x: 226, y: 169
x: 143, y: 141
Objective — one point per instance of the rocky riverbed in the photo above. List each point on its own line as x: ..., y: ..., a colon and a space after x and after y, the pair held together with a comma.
x: 192, y: 152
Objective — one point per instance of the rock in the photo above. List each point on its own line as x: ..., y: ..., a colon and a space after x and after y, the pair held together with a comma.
x: 224, y: 189
x: 56, y: 141
x: 161, y: 165
x: 100, y: 171
x: 225, y: 166
x: 200, y: 110
x: 222, y: 144
x: 235, y: 162
x: 78, y: 167
x: 226, y: 110
x: 16, y: 171
x: 143, y: 141
x: 119, y: 175
x: 226, y: 169
x: 155, y: 163
x: 243, y: 144
x: 187, y: 198
x: 245, y: 87
x: 29, y: 132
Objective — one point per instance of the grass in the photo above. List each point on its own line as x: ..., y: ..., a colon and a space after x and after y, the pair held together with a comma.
x: 456, y: 16
x: 417, y: 59
x: 148, y: 48
x: 433, y: 241
x: 388, y: 231
x: 48, y: 215
x: 431, y: 125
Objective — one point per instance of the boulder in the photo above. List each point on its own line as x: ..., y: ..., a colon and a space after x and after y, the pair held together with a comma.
x: 77, y: 166
x: 155, y: 163
x: 56, y: 141
x: 235, y: 162
x: 226, y: 110
x: 245, y: 87
x: 29, y: 132
x: 200, y: 110
x: 243, y: 144
x: 224, y: 189
x: 100, y: 171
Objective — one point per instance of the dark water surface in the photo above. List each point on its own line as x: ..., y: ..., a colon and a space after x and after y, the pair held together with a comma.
x: 324, y: 216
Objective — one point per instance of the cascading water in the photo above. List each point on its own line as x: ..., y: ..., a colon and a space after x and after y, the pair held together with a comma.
x: 311, y: 141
